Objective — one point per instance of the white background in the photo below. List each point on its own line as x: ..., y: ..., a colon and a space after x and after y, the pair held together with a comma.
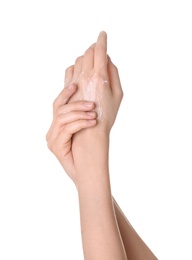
x: 151, y: 143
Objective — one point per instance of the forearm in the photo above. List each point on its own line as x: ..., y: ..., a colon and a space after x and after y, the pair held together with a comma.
x: 100, y: 235
x: 135, y: 247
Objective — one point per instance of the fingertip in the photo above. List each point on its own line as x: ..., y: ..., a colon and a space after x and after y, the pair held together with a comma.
x: 103, y: 33
x: 89, y: 104
x: 100, y: 54
x: 102, y: 38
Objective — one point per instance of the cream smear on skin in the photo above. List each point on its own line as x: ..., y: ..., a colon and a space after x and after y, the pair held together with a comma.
x: 90, y: 89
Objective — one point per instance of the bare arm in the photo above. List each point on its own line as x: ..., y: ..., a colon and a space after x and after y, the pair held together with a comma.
x: 135, y: 247
x: 100, y: 234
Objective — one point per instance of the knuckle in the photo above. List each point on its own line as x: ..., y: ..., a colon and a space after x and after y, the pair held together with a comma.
x: 50, y: 145
x: 53, y: 145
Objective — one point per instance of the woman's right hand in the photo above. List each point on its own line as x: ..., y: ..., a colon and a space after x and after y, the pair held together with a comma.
x: 68, y: 119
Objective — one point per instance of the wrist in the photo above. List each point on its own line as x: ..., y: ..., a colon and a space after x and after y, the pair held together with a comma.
x: 91, y: 143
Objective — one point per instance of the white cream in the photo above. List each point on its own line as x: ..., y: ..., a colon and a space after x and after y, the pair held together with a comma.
x: 90, y: 88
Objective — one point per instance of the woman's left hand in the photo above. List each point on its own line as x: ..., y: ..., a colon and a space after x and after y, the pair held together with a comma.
x: 98, y: 81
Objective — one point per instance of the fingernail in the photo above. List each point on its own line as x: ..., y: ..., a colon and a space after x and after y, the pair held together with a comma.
x: 102, y: 32
x: 88, y: 104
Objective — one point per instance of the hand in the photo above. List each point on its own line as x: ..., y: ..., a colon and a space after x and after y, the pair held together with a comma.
x: 68, y: 119
x: 98, y: 80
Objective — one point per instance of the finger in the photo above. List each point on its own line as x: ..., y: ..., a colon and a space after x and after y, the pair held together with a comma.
x: 68, y: 75
x: 75, y: 106
x: 100, y: 54
x: 77, y: 69
x: 114, y: 78
x: 64, y: 119
x: 64, y: 96
x: 76, y: 126
x: 70, y: 129
x: 88, y: 59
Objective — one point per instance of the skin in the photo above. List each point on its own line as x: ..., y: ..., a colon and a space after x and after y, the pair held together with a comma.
x: 83, y: 128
